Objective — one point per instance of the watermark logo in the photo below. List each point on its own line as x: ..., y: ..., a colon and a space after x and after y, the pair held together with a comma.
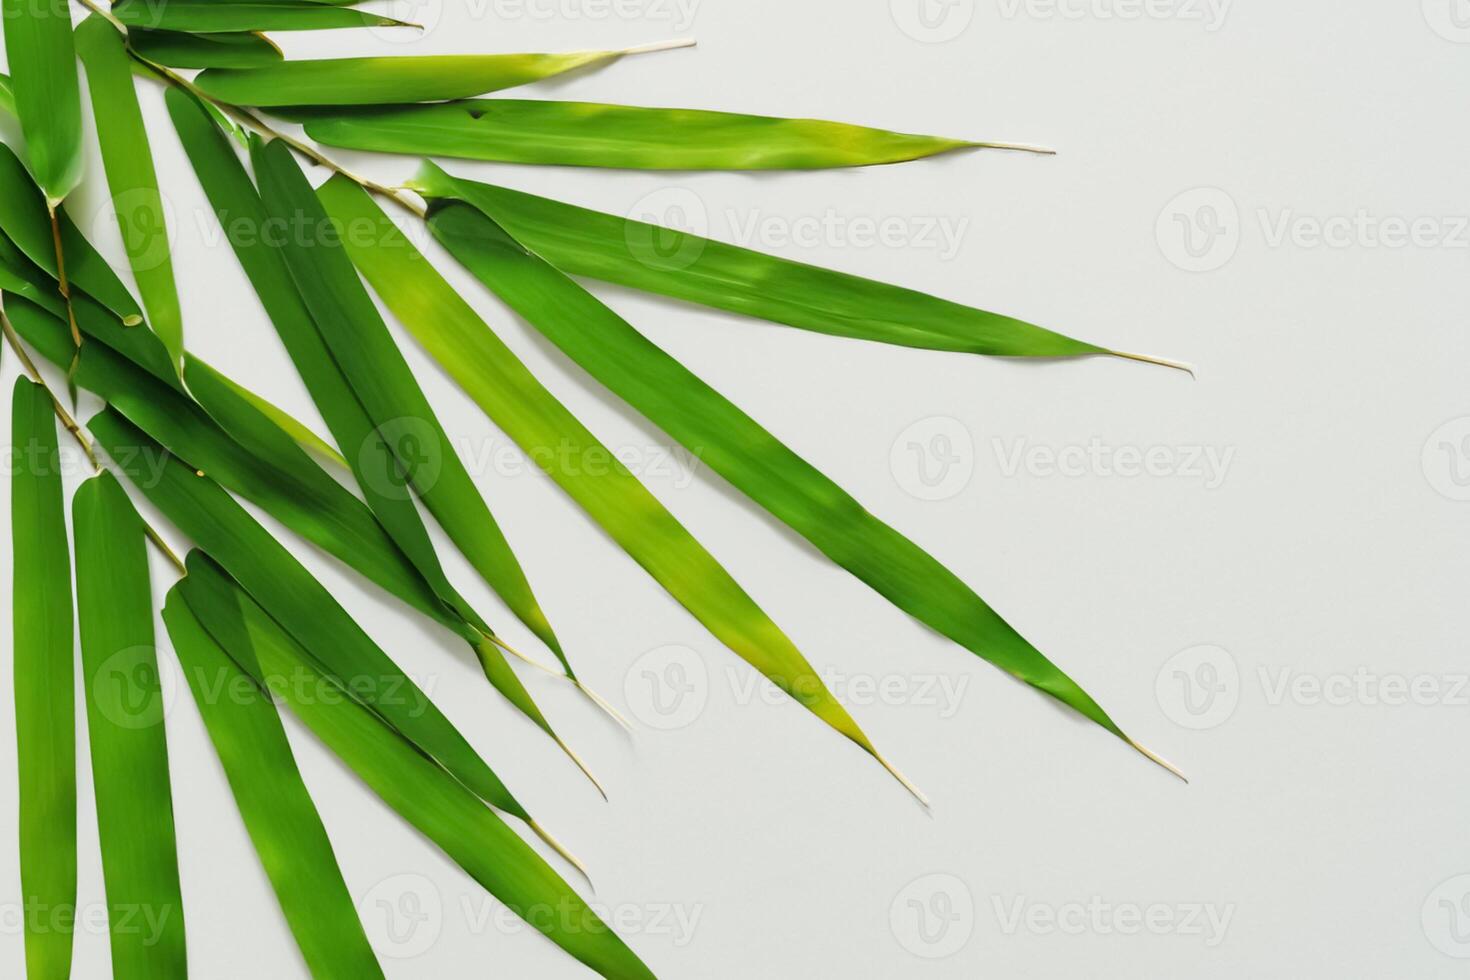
x: 403, y: 915
x: 424, y: 14
x: 1199, y: 688
x: 1199, y: 230
x: 1450, y: 19
x: 130, y: 691
x: 933, y: 459
x: 667, y: 688
x: 402, y: 453
x: 1208, y: 922
x: 667, y: 229
x: 144, y: 220
x: 933, y: 21
x: 1210, y: 14
x: 1446, y: 459
x: 1208, y: 465
x: 933, y: 917
x: 1446, y: 917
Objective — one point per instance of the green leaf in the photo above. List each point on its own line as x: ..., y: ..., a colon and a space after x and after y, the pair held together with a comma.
x: 7, y: 94
x: 422, y: 454
x: 735, y: 446
x: 43, y: 71
x: 204, y: 512
x: 299, y: 433
x: 24, y: 220
x: 554, y: 438
x: 419, y: 791
x: 131, y: 179
x: 374, y: 81
x: 216, y: 17
x: 179, y: 50
x: 135, y: 821
x: 588, y: 134
x: 660, y: 260
x: 244, y: 218
x: 274, y: 803
x: 44, y: 686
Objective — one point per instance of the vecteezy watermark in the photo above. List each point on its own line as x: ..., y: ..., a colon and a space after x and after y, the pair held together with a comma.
x: 1207, y: 922
x: 91, y: 919
x: 1450, y: 19
x: 1207, y: 465
x: 933, y: 917
x: 130, y: 691
x: 679, y: 14
x: 1446, y: 459
x: 667, y: 688
x: 932, y: 21
x: 403, y: 916
x: 1201, y: 230
x: 1446, y: 917
x: 145, y: 221
x: 1199, y: 688
x: 933, y: 459
x: 1209, y: 14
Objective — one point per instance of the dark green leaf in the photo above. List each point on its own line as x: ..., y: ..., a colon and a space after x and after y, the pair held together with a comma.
x: 217, y: 17
x: 135, y: 821
x: 179, y: 50
x: 43, y: 70
x: 44, y: 685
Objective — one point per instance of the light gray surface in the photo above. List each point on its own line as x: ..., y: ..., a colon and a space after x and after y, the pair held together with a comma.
x: 1301, y: 529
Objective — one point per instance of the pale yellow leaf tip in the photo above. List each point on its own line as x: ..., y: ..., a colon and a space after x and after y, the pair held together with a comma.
x: 1161, y: 361
x: 684, y: 42
x: 904, y: 782
x: 1160, y: 761
x: 566, y: 855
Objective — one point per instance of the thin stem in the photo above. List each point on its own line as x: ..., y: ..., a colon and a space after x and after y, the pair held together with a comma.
x: 1161, y: 361
x: 70, y: 424
x: 1020, y: 147
x: 64, y: 288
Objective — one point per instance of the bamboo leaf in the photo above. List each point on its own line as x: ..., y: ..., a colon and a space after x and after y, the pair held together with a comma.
x: 43, y: 71
x: 131, y: 179
x: 222, y: 529
x: 373, y: 81
x: 299, y: 433
x: 215, y: 17
x: 587, y: 134
x: 374, y: 368
x: 180, y: 50
x: 554, y: 438
x: 274, y: 803
x: 660, y: 260
x: 7, y: 94
x: 135, y: 820
x: 739, y: 449
x: 419, y: 791
x: 25, y: 221
x: 244, y: 218
x: 44, y: 686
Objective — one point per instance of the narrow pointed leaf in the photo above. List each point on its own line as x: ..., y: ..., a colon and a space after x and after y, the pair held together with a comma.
x: 24, y: 221
x: 243, y: 216
x: 661, y: 260
x: 560, y: 444
x: 135, y: 821
x: 43, y: 71
x: 419, y: 791
x: 299, y: 433
x: 739, y: 449
x: 179, y: 50
x: 44, y: 684
x: 131, y: 179
x: 588, y: 134
x: 222, y: 529
x: 374, y: 81
x: 374, y: 367
x: 7, y: 95
x: 216, y: 17
x: 274, y: 803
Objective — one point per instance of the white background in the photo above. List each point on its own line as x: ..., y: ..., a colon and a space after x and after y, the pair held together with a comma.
x: 1323, y: 834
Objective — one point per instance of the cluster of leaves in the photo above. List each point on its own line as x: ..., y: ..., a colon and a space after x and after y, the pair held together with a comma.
x: 246, y: 616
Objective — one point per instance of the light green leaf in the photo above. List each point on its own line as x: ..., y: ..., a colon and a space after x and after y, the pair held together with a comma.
x: 43, y: 71
x: 179, y: 50
x: 44, y: 685
x: 135, y: 820
x: 423, y: 457
x: 419, y: 791
x: 131, y: 179
x: 589, y: 472
x: 299, y: 433
x: 274, y: 803
x: 204, y: 512
x: 374, y: 81
x: 735, y: 446
x: 216, y: 17
x: 588, y: 134
x: 7, y: 94
x: 581, y: 242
